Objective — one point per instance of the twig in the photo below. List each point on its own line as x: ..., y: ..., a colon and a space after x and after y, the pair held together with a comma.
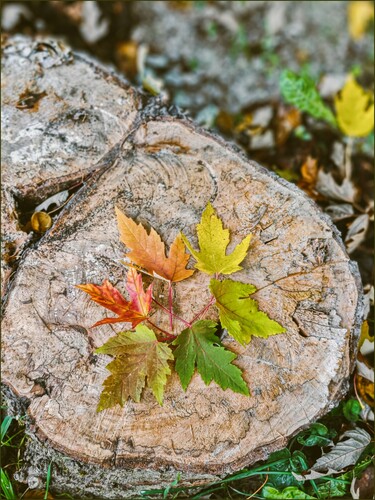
x: 260, y: 487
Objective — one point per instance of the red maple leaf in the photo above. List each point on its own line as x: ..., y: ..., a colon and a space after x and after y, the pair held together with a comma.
x: 134, y: 311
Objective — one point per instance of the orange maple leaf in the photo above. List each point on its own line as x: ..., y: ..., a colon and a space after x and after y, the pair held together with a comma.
x: 109, y: 297
x: 148, y: 251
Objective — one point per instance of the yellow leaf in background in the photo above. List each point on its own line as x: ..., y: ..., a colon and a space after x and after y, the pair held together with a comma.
x: 359, y: 15
x: 365, y: 389
x: 365, y: 335
x: 354, y: 109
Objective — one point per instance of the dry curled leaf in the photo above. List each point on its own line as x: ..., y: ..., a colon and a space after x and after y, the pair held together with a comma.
x: 357, y: 232
x: 287, y: 120
x: 363, y: 486
x: 327, y: 186
x: 309, y: 175
x: 57, y: 199
x: 346, y: 452
x: 339, y: 211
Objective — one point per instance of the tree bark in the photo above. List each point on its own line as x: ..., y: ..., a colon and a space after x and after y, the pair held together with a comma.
x: 161, y: 170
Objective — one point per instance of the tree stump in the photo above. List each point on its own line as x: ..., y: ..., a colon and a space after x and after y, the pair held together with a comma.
x: 160, y: 170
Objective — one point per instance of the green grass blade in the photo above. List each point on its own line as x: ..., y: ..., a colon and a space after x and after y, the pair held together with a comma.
x: 48, y: 480
x: 5, y: 426
x: 6, y: 486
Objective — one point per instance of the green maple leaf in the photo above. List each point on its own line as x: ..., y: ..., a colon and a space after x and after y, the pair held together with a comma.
x: 239, y: 313
x: 140, y: 358
x: 198, y: 347
x: 301, y: 91
x: 213, y: 241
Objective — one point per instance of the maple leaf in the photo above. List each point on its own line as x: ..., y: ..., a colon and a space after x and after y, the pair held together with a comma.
x: 300, y: 90
x: 213, y: 241
x: 140, y: 359
x: 108, y: 296
x: 139, y: 299
x: 239, y: 313
x: 198, y: 347
x: 354, y: 109
x: 148, y: 251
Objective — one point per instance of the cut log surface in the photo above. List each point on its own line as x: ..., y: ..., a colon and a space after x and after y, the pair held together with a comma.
x: 57, y: 126
x: 162, y: 171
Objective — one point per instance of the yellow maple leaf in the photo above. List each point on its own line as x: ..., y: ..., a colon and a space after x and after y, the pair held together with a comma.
x: 213, y: 241
x: 354, y: 109
x: 359, y: 15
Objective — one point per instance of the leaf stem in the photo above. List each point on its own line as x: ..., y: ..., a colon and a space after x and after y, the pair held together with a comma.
x: 166, y: 338
x: 206, y: 307
x: 168, y: 335
x: 173, y: 314
x: 170, y: 303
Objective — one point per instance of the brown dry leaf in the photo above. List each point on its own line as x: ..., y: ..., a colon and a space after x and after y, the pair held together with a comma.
x: 148, y: 251
x: 29, y: 99
x: 34, y: 494
x: 73, y: 11
x: 346, y: 452
x: 340, y: 211
x: 180, y: 4
x: 225, y: 122
x: 363, y: 487
x: 246, y: 126
x: 365, y: 390
x: 357, y: 232
x: 327, y: 186
x: 309, y: 175
x: 360, y: 14
x: 364, y: 368
x: 287, y: 120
